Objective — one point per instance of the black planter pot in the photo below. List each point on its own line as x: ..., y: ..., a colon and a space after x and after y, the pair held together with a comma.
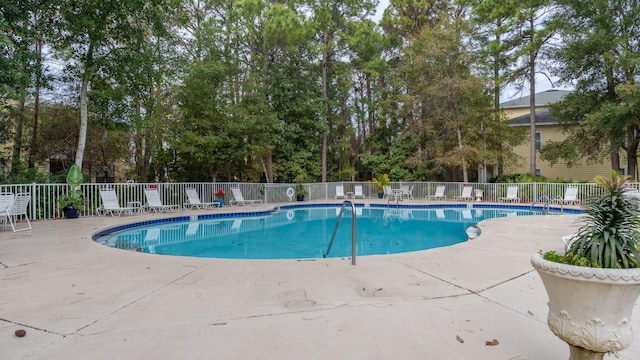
x: 380, y: 196
x: 70, y: 212
x: 300, y: 197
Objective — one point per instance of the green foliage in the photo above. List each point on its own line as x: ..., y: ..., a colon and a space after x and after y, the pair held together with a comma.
x: 74, y: 176
x: 380, y: 182
x: 566, y: 259
x: 528, y: 178
x: 74, y: 196
x: 301, y: 190
x: 609, y: 237
x: 247, y: 87
x: 596, y: 56
x: 24, y: 176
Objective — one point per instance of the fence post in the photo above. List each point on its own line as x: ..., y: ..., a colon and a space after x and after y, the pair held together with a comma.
x: 33, y: 200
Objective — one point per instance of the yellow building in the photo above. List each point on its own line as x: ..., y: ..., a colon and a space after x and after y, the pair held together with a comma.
x: 547, y: 129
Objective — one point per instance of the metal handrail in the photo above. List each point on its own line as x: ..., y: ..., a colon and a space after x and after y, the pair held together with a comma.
x: 353, y: 231
x: 545, y: 207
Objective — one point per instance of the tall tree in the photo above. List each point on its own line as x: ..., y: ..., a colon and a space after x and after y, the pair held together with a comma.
x: 599, y: 53
x: 18, y: 58
x: 521, y: 31
x: 452, y: 101
x: 91, y: 30
x: 495, y: 48
x: 532, y: 28
x: 333, y: 19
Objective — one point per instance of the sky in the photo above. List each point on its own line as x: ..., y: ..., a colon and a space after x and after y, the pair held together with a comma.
x: 380, y: 9
x: 510, y: 93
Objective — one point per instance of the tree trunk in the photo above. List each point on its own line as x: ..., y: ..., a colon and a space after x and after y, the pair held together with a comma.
x: 465, y: 173
x: 325, y: 65
x: 532, y: 109
x: 17, y: 139
x: 369, y: 108
x: 33, y: 148
x: 269, y: 166
x: 82, y: 135
x: 632, y: 152
x: 615, y: 160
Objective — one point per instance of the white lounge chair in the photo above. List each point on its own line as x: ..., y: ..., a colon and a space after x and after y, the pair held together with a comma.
x: 392, y: 194
x: 340, y: 192
x: 155, y: 204
x: 465, y: 195
x: 568, y: 240
x: 193, y: 201
x: 110, y: 204
x: 570, y: 197
x: 407, y: 191
x: 632, y: 193
x: 512, y: 195
x: 357, y: 192
x: 239, y: 200
x: 6, y: 201
x: 388, y: 194
x: 439, y: 194
x: 17, y: 210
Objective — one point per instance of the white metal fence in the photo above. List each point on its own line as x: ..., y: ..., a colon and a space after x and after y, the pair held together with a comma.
x: 44, y: 204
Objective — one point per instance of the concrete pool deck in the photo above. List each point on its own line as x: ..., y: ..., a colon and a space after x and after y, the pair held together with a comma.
x: 80, y: 300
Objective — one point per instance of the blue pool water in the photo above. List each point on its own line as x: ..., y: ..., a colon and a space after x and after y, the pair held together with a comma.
x: 299, y: 232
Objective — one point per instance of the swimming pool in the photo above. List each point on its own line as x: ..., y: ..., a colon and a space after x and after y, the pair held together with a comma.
x: 304, y: 231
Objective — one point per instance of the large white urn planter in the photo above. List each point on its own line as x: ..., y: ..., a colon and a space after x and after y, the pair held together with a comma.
x: 589, y: 308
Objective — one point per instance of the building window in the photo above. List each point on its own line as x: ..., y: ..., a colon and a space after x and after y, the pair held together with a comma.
x: 623, y: 171
x: 538, y: 141
x: 538, y: 172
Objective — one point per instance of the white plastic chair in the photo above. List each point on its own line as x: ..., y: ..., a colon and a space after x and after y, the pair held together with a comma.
x: 465, y: 195
x: 407, y: 191
x: 6, y: 201
x: 388, y: 194
x: 357, y: 192
x: 239, y: 200
x: 16, y: 211
x: 339, y: 192
x: 193, y: 201
x: 111, y: 205
x: 568, y: 240
x: 439, y: 194
x: 570, y: 197
x: 512, y: 195
x: 155, y: 204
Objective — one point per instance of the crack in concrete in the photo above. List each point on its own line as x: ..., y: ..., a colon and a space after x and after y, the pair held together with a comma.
x: 138, y: 299
x: 439, y: 278
x: 33, y: 327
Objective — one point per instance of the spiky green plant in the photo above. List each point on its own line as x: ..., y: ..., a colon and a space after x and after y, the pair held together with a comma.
x: 609, y: 237
x: 380, y: 182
